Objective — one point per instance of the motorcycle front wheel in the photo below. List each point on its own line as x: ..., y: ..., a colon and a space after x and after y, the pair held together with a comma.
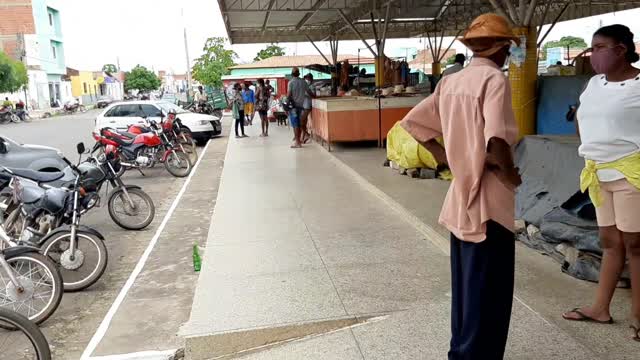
x: 189, y: 148
x: 26, y: 341
x: 129, y: 217
x: 82, y: 268
x: 178, y: 164
x: 41, y: 287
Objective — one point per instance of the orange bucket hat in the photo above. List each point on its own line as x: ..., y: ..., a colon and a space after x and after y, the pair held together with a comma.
x: 487, y: 34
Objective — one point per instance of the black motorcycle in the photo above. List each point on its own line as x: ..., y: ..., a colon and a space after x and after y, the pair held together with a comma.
x: 49, y: 217
x: 129, y: 206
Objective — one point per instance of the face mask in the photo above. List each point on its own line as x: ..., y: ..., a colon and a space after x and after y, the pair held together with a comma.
x: 604, y: 60
x: 308, y: 82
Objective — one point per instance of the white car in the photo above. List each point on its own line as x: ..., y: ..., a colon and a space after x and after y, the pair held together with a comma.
x: 123, y: 114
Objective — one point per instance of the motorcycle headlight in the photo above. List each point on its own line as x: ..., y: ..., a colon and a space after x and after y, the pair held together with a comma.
x: 90, y: 200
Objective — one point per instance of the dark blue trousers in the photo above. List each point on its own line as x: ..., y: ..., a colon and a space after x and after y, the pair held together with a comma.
x: 482, y: 294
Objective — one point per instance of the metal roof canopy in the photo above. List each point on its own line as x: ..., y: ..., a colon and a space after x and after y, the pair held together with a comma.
x: 266, y: 21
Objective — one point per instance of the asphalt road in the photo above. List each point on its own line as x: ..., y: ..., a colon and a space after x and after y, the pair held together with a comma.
x: 160, y: 300
x: 61, y: 132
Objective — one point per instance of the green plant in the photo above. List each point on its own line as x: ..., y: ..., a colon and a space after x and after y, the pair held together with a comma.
x: 13, y: 74
x: 571, y: 42
x: 141, y: 79
x: 269, y: 51
x: 215, y: 62
x: 110, y: 68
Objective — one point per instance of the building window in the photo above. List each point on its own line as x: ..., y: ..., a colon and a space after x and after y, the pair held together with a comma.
x: 51, y: 19
x: 84, y: 85
x: 53, y: 51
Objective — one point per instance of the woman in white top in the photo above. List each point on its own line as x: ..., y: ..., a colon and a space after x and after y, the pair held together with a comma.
x: 609, y: 127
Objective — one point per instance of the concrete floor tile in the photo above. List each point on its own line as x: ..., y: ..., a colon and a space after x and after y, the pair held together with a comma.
x: 225, y: 303
x: 419, y: 333
x: 338, y: 345
x: 394, y: 245
x: 239, y: 259
x: 374, y: 288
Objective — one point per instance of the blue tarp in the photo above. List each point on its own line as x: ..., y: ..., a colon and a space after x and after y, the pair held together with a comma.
x: 556, y: 94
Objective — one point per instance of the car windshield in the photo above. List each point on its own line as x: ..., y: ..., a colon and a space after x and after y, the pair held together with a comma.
x: 166, y: 106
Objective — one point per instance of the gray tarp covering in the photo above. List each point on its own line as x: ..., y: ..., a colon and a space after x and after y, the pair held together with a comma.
x: 550, y: 199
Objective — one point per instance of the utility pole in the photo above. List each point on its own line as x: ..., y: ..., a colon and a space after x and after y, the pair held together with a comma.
x: 21, y: 50
x: 186, y: 52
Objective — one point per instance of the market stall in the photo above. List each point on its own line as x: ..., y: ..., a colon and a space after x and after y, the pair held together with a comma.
x: 358, y: 118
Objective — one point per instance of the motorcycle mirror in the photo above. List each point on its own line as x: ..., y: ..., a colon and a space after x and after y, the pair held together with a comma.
x: 81, y: 149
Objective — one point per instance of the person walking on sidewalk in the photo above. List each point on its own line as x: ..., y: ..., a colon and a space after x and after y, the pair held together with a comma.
x: 296, y: 93
x: 237, y: 109
x: 472, y: 110
x: 610, y: 135
x: 249, y: 100
x: 262, y: 106
x: 306, y: 108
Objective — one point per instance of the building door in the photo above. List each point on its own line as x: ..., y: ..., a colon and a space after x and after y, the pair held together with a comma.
x: 52, y: 95
x: 58, y: 93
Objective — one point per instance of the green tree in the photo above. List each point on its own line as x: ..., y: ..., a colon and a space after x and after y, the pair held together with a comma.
x: 215, y: 62
x: 141, y: 79
x: 110, y: 68
x: 451, y: 59
x: 269, y: 51
x: 13, y: 74
x: 566, y: 41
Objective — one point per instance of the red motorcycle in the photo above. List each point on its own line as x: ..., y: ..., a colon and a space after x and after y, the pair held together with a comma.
x: 142, y: 147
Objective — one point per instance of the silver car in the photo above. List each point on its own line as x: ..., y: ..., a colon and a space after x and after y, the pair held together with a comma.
x: 33, y: 157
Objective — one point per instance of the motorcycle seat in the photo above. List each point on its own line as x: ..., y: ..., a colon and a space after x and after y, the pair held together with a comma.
x: 120, y: 137
x: 127, y: 134
x: 38, y: 176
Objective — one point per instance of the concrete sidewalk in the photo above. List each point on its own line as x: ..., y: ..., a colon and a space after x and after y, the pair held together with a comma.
x: 304, y: 262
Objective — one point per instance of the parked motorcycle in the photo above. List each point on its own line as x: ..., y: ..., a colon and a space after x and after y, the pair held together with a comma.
x: 174, y: 130
x: 21, y: 112
x: 204, y: 108
x: 49, y: 218
x: 72, y: 107
x: 7, y: 115
x: 30, y: 283
x: 139, y: 149
x: 129, y: 206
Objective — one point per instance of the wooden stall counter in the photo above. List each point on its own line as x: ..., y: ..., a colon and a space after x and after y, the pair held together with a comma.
x: 394, y: 109
x: 356, y: 118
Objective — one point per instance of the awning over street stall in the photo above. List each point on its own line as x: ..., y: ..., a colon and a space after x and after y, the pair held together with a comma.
x: 264, y: 21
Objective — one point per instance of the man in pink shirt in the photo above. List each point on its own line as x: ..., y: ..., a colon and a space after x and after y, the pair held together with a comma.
x: 472, y: 110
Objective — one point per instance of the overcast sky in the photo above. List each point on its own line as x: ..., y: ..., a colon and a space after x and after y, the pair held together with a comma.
x: 150, y: 32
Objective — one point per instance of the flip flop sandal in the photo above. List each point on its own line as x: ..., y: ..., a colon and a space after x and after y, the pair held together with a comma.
x: 585, y: 318
x: 637, y: 330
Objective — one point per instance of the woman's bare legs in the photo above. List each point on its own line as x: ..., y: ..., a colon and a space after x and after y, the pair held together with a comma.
x: 632, y: 243
x: 613, y: 258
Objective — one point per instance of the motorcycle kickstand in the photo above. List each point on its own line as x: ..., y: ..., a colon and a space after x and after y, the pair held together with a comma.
x: 140, y: 170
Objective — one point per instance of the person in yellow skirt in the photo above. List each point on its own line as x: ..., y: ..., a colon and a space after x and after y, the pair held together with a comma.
x: 609, y: 126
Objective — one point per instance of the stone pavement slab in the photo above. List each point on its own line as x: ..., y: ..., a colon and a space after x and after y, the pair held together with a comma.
x: 299, y: 248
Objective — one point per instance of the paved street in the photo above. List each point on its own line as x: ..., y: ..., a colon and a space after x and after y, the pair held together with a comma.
x: 62, y: 132
x: 160, y: 299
